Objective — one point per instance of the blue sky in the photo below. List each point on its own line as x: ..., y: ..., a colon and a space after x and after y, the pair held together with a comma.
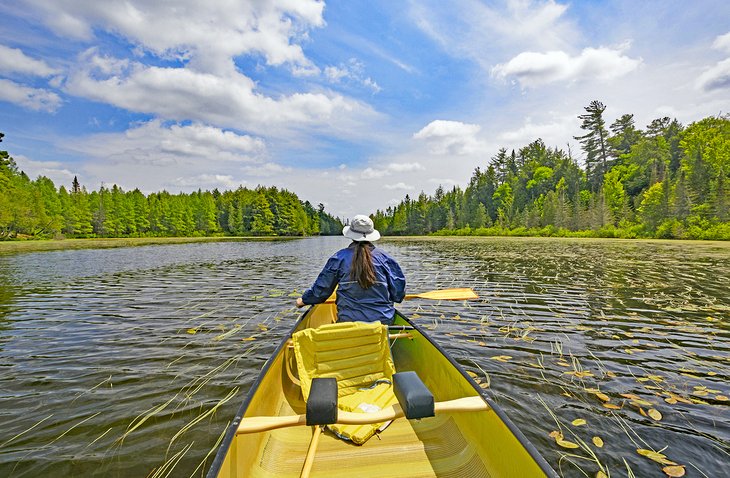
x: 352, y: 104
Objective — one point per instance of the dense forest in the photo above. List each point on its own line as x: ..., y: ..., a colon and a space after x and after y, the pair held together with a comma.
x: 666, y: 181
x: 37, y: 209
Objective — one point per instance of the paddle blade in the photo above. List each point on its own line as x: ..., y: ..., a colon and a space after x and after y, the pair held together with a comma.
x: 446, y: 294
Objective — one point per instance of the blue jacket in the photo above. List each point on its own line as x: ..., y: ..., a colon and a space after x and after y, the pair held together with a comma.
x: 353, y: 302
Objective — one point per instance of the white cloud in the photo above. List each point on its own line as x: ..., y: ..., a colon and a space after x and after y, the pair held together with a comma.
x: 32, y: 98
x: 389, y: 169
x: 722, y: 43
x: 404, y: 167
x: 399, y: 186
x: 13, y: 60
x: 157, y: 155
x: 716, y: 77
x: 56, y: 171
x: 185, y: 94
x: 552, y: 132
x: 451, y: 137
x: 353, y: 71
x: 155, y: 142
x: 482, y: 31
x: 534, y: 69
x: 207, y: 181
x: 202, y: 31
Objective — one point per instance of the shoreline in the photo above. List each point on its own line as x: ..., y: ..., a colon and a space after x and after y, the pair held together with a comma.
x: 41, y: 245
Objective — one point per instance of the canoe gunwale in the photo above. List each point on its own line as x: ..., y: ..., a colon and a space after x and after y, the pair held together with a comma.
x: 539, y: 459
x: 230, y: 435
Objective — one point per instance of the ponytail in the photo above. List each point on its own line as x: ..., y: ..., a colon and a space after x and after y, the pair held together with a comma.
x: 362, y: 270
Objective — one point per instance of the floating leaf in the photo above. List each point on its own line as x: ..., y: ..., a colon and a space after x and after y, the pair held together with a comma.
x: 675, y: 471
x: 603, y: 396
x: 484, y: 385
x: 471, y: 374
x: 601, y: 474
x: 578, y: 422
x: 671, y: 400
x: 248, y: 339
x: 192, y: 331
x: 611, y: 406
x: 555, y: 434
x: 598, y: 442
x: 655, y: 414
x: 630, y: 396
x: 721, y: 398
x: 502, y: 358
x: 641, y: 403
x: 566, y: 443
x: 563, y: 363
x: 655, y: 456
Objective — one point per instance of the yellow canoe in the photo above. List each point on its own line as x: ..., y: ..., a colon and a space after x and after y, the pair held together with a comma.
x: 465, y: 444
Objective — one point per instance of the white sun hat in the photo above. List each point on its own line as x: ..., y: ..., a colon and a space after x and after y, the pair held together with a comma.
x: 361, y: 228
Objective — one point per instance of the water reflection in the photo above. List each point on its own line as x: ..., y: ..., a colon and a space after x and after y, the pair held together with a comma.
x: 130, y: 362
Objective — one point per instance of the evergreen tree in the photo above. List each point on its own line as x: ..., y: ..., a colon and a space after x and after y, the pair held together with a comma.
x: 594, y: 142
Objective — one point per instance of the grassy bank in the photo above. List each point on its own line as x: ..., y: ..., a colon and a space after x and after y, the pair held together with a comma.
x: 11, y: 247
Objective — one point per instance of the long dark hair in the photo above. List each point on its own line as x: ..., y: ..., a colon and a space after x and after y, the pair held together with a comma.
x: 362, y: 270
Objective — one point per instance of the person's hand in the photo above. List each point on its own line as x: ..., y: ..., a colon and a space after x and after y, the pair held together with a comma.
x: 300, y: 303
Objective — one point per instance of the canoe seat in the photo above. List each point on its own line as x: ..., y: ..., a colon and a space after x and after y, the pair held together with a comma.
x: 357, y: 355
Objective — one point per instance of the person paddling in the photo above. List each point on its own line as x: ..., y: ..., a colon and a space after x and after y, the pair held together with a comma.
x: 369, y: 280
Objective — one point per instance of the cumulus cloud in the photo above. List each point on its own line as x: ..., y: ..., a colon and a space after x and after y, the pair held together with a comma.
x: 13, y: 60
x: 185, y: 94
x: 533, y: 69
x: 155, y: 142
x: 158, y: 154
x: 722, y: 43
x: 451, y: 137
x: 203, y: 32
x: 717, y: 77
x: 31, y: 98
x: 55, y: 170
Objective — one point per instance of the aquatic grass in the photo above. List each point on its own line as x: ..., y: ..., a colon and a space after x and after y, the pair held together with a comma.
x: 74, y: 426
x: 167, y: 468
x: 7, y: 442
x: 213, y: 450
x: 203, y: 416
x: 143, y: 417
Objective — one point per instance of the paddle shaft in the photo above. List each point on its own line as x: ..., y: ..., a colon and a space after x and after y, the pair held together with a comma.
x: 309, y: 460
x: 262, y: 424
x: 439, y: 294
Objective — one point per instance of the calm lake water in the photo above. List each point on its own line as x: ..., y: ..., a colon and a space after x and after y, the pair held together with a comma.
x: 131, y: 362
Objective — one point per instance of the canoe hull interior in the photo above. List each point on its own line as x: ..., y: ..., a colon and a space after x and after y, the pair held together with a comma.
x: 465, y: 444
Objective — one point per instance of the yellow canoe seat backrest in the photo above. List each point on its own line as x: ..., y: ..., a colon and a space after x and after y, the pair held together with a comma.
x: 357, y: 354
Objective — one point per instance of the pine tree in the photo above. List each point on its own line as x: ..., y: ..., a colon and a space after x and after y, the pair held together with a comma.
x: 594, y: 142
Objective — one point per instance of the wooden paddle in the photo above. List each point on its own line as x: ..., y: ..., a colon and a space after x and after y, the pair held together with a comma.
x: 445, y: 294
x: 439, y: 294
x: 262, y: 424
